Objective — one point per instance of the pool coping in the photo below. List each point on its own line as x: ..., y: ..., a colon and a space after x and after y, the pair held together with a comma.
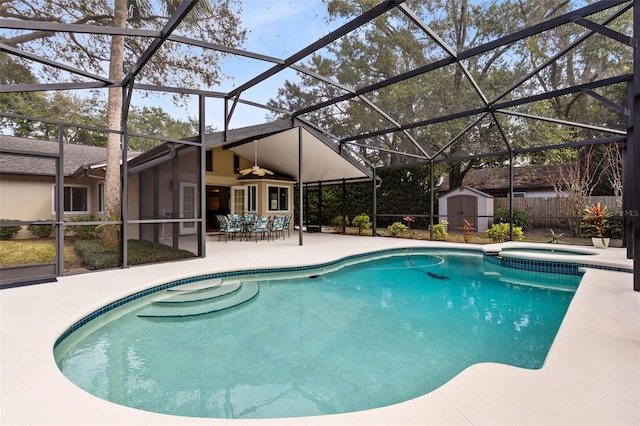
x: 590, y: 375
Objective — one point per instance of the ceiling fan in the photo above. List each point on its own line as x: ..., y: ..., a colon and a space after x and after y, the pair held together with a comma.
x: 255, y: 169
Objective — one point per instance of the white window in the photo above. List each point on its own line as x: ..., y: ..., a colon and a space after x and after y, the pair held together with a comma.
x: 252, y: 198
x: 76, y: 199
x: 278, y: 198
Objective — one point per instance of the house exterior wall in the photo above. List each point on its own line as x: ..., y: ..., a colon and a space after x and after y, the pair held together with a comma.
x: 28, y: 198
x: 223, y: 175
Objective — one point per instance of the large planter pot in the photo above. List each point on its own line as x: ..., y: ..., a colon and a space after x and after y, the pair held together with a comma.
x: 599, y: 242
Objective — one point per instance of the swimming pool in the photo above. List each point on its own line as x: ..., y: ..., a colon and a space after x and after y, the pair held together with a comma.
x: 362, y: 335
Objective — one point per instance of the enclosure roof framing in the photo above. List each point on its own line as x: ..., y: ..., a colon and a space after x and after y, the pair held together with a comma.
x: 322, y: 122
x: 581, y: 16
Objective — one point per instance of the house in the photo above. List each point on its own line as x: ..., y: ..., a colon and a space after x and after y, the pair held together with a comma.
x: 27, y: 180
x: 163, y: 182
x: 536, y: 180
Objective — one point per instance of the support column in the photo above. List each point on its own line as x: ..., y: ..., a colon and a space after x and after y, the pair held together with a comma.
x: 59, y: 200
x: 300, y: 188
x: 627, y: 179
x: 319, y: 206
x: 510, y: 195
x: 432, y: 199
x: 202, y: 224
x: 127, y: 92
x: 175, y: 190
x: 633, y: 145
x: 375, y: 203
x: 344, y: 205
x: 156, y: 202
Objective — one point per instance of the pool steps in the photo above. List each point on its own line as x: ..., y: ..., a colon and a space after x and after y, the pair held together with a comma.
x: 236, y: 294
x: 206, y: 293
x: 198, y: 285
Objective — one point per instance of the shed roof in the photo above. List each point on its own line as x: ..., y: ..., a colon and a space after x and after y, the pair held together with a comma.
x: 468, y: 189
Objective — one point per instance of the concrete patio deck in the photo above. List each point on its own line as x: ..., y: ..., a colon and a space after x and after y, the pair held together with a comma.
x: 591, y: 375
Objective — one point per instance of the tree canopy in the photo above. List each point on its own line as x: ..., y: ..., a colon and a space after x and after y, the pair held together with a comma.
x: 437, y: 31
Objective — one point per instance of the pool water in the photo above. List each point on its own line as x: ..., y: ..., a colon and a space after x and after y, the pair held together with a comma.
x: 367, y: 335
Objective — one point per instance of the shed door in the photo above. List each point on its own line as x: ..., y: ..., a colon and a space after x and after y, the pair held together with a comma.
x: 461, y: 207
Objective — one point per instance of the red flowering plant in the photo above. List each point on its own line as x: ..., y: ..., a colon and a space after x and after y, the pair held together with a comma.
x: 408, y: 219
x: 595, y: 220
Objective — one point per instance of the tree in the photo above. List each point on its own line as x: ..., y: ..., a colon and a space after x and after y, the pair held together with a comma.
x: 575, y: 181
x: 175, y: 64
x: 391, y: 45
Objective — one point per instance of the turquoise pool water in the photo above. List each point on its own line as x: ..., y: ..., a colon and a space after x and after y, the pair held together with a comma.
x: 366, y: 335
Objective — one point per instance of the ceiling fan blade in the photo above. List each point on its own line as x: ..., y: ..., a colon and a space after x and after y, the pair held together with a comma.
x: 260, y: 172
x: 246, y: 171
x: 269, y: 172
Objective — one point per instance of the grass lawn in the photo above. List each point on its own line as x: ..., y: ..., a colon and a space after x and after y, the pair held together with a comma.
x: 26, y: 252
x: 85, y: 253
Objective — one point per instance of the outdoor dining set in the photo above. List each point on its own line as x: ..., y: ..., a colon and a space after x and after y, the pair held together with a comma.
x: 248, y: 226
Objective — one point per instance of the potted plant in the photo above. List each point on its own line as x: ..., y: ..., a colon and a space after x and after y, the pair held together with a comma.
x: 595, y: 223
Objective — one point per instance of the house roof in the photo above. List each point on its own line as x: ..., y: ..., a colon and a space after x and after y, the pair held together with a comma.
x: 76, y: 157
x: 536, y: 176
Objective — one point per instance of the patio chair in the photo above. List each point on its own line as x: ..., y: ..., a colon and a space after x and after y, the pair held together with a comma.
x: 287, y: 221
x: 227, y: 228
x: 263, y: 227
x: 249, y: 224
x: 277, y: 227
x: 235, y: 224
x: 250, y: 218
x: 223, y: 224
x: 234, y: 217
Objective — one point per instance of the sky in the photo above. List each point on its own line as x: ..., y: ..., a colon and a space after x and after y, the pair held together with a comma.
x: 276, y: 28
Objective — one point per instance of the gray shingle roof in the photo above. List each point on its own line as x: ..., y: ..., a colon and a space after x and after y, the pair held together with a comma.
x: 536, y: 176
x: 75, y: 156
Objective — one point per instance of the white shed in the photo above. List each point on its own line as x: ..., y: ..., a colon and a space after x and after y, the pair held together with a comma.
x: 466, y: 203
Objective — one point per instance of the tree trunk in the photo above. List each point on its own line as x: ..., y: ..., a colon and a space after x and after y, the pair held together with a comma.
x: 113, y: 186
x: 456, y: 175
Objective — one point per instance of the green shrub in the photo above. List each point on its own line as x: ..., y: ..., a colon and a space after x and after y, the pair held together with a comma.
x: 520, y: 218
x: 83, y: 231
x: 339, y: 221
x: 397, y: 228
x: 8, y: 232
x: 499, y: 233
x: 362, y: 221
x: 40, y: 231
x: 440, y: 231
x: 96, y: 255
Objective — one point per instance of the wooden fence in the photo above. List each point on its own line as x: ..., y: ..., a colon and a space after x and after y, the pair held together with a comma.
x: 546, y: 212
